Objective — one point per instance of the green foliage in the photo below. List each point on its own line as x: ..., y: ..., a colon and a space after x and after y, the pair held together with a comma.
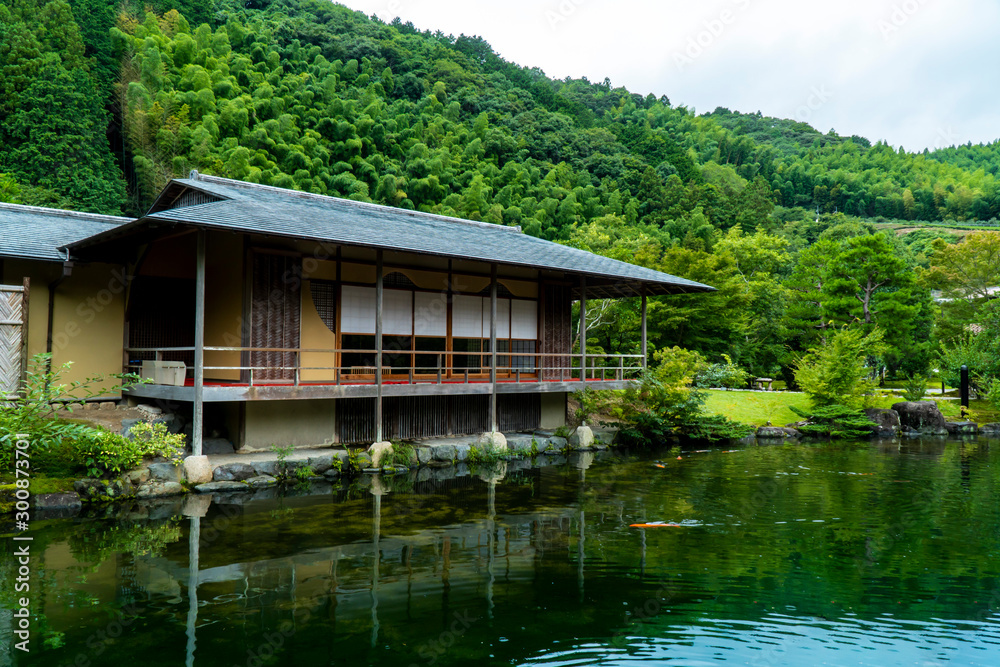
x: 836, y: 372
x: 106, y: 454
x: 978, y: 347
x: 103, y: 453
x: 53, y: 122
x: 487, y: 455
x: 156, y: 440
x: 310, y: 95
x: 354, y: 464
x: 282, y: 453
x: 32, y: 412
x: 97, y: 541
x: 665, y: 387
x: 854, y: 274
x: 835, y: 421
x: 403, y: 455
x: 915, y: 387
x: 726, y: 374
x: 664, y: 405
x: 992, y: 395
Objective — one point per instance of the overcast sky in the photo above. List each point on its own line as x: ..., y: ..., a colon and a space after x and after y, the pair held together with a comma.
x: 916, y: 73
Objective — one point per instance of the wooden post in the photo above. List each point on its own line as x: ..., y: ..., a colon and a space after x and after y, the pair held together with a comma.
x: 378, y: 345
x: 194, y: 553
x: 583, y: 328
x: 644, y: 349
x: 198, y: 428
x: 493, y: 347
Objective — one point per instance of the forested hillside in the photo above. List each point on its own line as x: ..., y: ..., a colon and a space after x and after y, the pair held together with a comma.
x: 103, y: 101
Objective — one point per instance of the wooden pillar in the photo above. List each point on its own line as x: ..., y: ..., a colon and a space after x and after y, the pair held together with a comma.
x: 378, y: 345
x: 494, y: 426
x: 198, y: 428
x: 583, y: 327
x: 644, y: 349
x: 194, y: 547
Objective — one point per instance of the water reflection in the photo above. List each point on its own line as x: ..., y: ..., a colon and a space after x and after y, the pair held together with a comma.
x: 848, y: 554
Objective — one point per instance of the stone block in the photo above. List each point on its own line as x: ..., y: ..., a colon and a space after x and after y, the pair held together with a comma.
x: 213, y: 487
x: 379, y: 452
x: 558, y: 442
x: 233, y: 472
x: 320, y: 464
x: 582, y: 438
x: 273, y: 468
x: 196, y: 505
x: 444, y: 453
x: 158, y: 489
x: 56, y: 501
x: 962, y: 428
x: 197, y: 470
x: 923, y: 416
x: 164, y: 472
x: 261, y: 482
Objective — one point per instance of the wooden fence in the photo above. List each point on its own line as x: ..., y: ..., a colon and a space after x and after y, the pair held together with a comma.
x: 13, y: 338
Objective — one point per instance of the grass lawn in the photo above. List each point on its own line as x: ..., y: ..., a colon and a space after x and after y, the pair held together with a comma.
x: 756, y: 407
x: 759, y: 407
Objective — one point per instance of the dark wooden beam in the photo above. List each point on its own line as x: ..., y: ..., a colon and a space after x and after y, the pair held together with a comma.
x: 378, y: 345
x: 493, y: 347
x: 289, y: 392
x: 644, y: 353
x: 583, y: 327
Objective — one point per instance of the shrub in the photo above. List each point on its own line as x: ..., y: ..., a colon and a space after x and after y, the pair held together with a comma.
x: 663, y: 405
x: 992, y: 395
x: 915, y: 387
x: 402, y: 455
x: 979, y: 351
x: 32, y: 412
x: 153, y: 439
x: 836, y: 372
x: 282, y: 453
x: 108, y: 454
x: 487, y: 455
x: 835, y: 421
x: 727, y: 375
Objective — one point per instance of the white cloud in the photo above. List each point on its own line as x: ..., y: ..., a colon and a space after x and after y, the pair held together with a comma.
x: 906, y: 71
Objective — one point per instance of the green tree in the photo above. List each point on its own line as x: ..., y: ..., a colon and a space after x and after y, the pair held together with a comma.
x: 57, y: 140
x: 836, y: 372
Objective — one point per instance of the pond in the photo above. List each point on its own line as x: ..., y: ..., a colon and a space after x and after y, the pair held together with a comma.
x: 833, y: 554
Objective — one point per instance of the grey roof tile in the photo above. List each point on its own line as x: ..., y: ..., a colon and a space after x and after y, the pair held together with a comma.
x: 33, y: 232
x: 252, y: 208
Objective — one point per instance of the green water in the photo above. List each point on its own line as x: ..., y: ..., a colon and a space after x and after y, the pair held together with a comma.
x: 848, y: 554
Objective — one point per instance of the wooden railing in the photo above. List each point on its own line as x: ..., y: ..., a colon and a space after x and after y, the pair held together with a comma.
x: 511, y: 366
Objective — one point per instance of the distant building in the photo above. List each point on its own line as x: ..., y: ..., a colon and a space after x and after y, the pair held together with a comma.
x: 303, y: 319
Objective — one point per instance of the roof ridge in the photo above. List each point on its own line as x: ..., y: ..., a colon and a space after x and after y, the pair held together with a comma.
x: 95, y: 217
x: 195, y: 176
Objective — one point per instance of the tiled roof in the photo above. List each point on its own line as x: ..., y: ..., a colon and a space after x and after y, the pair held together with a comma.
x: 252, y: 208
x: 33, y: 232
